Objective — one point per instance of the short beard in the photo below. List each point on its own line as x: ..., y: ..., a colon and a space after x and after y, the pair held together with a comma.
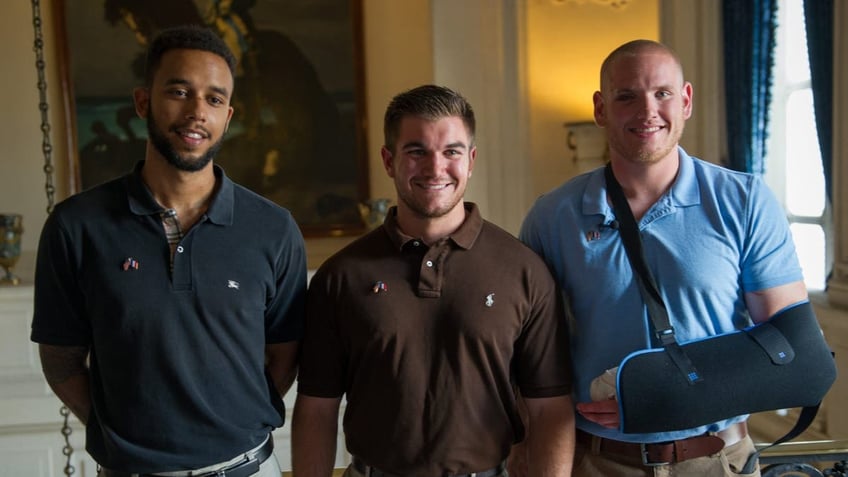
x: 423, y: 210
x: 166, y: 149
x: 425, y: 213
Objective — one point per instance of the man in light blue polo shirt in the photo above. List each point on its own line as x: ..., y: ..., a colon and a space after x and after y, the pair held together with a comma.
x: 716, y: 241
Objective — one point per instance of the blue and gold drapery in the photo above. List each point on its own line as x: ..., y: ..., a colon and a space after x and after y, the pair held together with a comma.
x: 749, y: 39
x: 818, y: 19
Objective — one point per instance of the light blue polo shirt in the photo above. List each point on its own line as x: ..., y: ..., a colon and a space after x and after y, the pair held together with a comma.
x: 715, y: 235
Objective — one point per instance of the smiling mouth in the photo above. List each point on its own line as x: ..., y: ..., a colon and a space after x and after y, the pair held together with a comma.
x: 433, y: 186
x: 192, y: 134
x: 647, y: 130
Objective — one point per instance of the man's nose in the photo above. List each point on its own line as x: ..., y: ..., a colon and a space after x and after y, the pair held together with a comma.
x: 196, y: 109
x: 433, y: 162
x: 647, y: 107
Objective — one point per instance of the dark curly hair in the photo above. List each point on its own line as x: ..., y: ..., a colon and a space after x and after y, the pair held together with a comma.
x: 191, y: 37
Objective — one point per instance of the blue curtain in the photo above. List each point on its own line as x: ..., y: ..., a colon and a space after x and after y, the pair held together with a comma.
x: 818, y: 18
x: 749, y: 38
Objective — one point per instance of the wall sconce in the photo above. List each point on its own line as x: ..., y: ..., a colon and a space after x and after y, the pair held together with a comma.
x: 588, y: 144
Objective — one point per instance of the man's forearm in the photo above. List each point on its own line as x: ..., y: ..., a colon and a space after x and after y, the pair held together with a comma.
x: 281, y: 361
x: 550, y: 444
x: 314, y: 431
x: 66, y: 372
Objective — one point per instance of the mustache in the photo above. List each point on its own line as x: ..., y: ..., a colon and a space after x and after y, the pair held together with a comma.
x: 191, y: 127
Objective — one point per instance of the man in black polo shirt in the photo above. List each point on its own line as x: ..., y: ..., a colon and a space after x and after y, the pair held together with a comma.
x: 164, y: 298
x: 427, y: 325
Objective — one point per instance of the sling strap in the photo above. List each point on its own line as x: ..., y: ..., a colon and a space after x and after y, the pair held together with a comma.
x: 663, y: 331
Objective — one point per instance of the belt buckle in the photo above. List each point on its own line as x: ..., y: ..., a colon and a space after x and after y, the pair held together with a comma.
x: 643, y: 451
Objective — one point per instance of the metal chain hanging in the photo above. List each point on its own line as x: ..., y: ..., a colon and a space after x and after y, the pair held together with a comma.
x: 46, y: 147
x: 49, y: 188
x: 67, y: 449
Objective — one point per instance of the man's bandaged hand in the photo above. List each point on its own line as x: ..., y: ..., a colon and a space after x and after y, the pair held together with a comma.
x: 603, y: 387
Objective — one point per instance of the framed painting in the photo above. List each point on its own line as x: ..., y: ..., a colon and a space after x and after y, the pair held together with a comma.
x: 297, y: 135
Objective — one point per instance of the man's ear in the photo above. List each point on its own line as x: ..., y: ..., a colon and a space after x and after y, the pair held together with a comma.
x: 141, y: 99
x: 229, y: 117
x: 388, y: 161
x: 600, y: 113
x: 472, y: 155
x: 687, y: 100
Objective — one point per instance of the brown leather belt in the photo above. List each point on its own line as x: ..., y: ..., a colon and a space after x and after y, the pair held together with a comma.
x: 662, y: 453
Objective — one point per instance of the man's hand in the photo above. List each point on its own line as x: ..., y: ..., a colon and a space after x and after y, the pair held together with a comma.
x: 604, y: 412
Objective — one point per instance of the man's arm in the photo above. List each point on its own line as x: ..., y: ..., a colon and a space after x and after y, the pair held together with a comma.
x: 516, y: 463
x: 763, y: 304
x: 550, y: 442
x: 281, y: 362
x: 314, y: 430
x: 66, y: 372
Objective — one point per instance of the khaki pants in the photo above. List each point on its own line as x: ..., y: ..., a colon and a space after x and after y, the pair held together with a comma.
x: 726, y: 463
x: 352, y: 472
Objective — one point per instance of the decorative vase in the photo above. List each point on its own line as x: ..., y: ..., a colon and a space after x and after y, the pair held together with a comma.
x: 11, y: 228
x: 373, y: 212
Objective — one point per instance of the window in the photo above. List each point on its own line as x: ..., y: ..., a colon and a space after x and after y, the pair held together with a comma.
x: 793, y: 161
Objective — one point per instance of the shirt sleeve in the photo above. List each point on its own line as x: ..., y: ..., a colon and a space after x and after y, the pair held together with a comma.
x: 542, y: 352
x: 322, y: 360
x: 769, y: 258
x: 59, y: 317
x: 284, y: 314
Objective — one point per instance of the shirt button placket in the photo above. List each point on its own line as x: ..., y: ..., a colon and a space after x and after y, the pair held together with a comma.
x: 428, y: 272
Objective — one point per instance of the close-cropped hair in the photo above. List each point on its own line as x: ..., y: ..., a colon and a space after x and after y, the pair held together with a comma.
x: 429, y: 102
x: 186, y: 37
x: 633, y: 48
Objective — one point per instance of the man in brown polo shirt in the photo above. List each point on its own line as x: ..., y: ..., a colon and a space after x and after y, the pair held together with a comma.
x: 428, y: 325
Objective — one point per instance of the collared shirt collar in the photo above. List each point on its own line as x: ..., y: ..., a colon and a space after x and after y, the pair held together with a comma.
x: 464, y: 237
x: 684, y: 192
x: 141, y: 201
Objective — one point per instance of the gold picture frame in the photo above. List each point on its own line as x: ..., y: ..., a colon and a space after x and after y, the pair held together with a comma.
x: 298, y: 133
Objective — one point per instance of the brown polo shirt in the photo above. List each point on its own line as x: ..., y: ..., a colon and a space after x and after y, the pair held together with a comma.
x: 427, y: 342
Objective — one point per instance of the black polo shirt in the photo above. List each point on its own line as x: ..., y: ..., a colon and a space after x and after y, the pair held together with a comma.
x: 177, y: 358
